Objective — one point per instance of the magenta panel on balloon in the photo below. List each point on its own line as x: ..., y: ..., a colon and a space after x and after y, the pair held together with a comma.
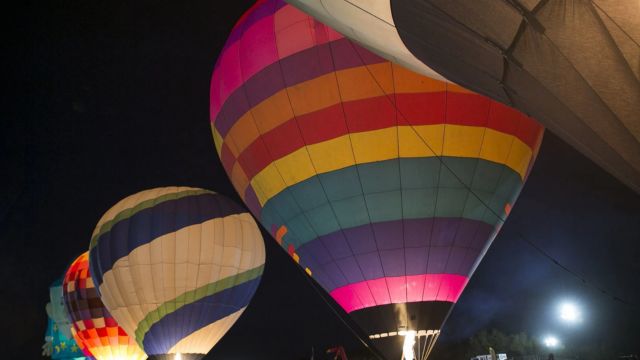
x: 400, y: 289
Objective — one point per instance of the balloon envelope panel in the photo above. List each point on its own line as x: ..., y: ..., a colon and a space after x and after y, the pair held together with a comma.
x: 362, y: 169
x: 177, y: 267
x: 93, y: 324
x: 63, y: 344
x: 573, y: 65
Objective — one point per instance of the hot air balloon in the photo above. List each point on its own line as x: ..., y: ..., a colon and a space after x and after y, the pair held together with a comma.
x: 572, y: 64
x: 176, y: 267
x: 94, y: 326
x: 384, y: 185
x: 60, y: 343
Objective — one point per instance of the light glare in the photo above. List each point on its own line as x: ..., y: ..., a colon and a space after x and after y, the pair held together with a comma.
x: 551, y: 341
x: 569, y: 312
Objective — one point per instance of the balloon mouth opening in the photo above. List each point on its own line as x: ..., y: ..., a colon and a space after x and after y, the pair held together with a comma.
x: 178, y: 356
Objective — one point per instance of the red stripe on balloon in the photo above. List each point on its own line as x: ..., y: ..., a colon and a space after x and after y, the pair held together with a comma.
x: 378, y: 113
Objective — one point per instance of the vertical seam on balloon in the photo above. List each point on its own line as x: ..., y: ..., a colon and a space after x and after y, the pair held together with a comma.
x: 470, y: 186
x: 244, y: 90
x: 162, y: 276
x: 200, y: 237
x: 501, y: 220
x: 198, y: 208
x: 223, y: 222
x: 399, y: 160
x: 295, y: 117
x: 436, y: 188
x: 441, y: 161
x: 119, y: 284
x: 311, y: 22
x: 436, y: 154
x: 116, y: 274
x: 364, y: 195
x: 162, y: 289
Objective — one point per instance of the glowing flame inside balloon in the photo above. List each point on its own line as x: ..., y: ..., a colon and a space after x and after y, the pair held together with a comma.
x: 409, y: 342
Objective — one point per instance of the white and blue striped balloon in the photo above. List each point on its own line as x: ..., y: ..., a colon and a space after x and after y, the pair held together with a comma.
x: 176, y: 267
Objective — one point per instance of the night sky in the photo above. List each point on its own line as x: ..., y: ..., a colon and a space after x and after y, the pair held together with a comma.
x: 109, y: 98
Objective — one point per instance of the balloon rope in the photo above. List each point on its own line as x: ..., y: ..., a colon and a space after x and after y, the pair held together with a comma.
x: 323, y: 295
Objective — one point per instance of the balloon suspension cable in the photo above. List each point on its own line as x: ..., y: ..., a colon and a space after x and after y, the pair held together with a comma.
x: 322, y: 295
x: 500, y: 218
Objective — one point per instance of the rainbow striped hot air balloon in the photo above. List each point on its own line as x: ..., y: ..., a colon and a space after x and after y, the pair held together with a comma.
x: 177, y: 267
x: 93, y: 325
x: 386, y: 186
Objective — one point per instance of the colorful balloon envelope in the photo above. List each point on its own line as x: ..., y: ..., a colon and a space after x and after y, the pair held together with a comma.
x: 386, y: 186
x: 93, y: 325
x: 573, y: 65
x: 59, y: 336
x: 177, y: 266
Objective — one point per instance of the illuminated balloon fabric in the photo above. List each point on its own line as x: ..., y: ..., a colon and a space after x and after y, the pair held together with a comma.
x: 58, y: 335
x: 307, y: 124
x: 177, y: 267
x: 94, y: 325
x: 573, y: 65
x: 56, y: 309
x: 61, y: 347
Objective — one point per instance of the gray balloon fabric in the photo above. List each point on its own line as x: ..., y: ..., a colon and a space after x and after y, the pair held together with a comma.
x: 572, y: 64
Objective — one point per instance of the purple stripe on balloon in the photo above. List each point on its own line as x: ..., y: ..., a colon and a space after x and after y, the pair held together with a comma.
x: 299, y: 67
x: 259, y: 12
x: 347, y: 54
x: 404, y: 247
x: 191, y: 317
x: 251, y: 200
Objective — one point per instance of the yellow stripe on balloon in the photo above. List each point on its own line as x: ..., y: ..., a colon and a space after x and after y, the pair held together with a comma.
x: 331, y: 154
x: 217, y: 140
x: 413, y: 140
x: 376, y: 145
x: 371, y: 146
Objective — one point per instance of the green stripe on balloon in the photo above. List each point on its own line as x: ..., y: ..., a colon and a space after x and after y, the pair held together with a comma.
x: 192, y: 296
x: 125, y: 214
x: 335, y: 200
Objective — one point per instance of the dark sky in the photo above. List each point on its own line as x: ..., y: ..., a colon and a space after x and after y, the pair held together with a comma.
x: 109, y: 98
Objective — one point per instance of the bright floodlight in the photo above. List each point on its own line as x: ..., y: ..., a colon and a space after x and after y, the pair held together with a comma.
x: 569, y: 312
x: 551, y: 341
x: 409, y: 341
x: 178, y: 356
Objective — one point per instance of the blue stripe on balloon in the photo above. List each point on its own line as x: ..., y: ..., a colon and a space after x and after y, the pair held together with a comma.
x: 151, y: 223
x: 172, y: 328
